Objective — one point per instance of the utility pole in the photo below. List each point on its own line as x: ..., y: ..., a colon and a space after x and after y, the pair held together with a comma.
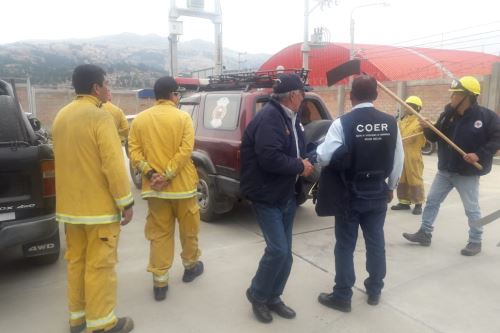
x: 306, y: 47
x: 195, y: 8
x: 239, y: 59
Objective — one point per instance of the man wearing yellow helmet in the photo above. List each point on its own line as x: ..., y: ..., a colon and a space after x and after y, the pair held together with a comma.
x: 411, y: 184
x: 477, y: 131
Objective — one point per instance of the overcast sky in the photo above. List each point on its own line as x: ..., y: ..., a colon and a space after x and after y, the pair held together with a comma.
x: 266, y: 26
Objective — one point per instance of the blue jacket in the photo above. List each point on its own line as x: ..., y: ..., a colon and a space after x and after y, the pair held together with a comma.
x: 269, y: 163
x: 477, y: 131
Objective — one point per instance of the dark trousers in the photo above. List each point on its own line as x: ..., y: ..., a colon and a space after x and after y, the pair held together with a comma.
x: 370, y: 215
x: 276, y: 223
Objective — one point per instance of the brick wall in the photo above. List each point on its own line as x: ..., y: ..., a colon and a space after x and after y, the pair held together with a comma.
x: 434, y: 94
x: 49, y: 101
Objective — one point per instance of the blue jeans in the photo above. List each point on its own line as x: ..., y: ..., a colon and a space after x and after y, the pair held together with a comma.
x: 467, y: 187
x: 370, y: 215
x: 276, y: 223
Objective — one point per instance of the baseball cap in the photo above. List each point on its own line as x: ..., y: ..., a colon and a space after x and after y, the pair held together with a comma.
x: 288, y: 82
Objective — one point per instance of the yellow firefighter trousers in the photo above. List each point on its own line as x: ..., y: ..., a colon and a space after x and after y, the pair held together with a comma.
x: 91, y: 253
x: 160, y: 229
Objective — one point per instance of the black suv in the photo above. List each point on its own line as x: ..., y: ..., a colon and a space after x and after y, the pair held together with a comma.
x: 27, y: 187
x: 221, y: 109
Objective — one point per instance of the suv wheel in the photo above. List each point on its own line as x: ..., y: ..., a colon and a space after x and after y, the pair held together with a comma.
x: 206, y: 196
x: 136, y: 176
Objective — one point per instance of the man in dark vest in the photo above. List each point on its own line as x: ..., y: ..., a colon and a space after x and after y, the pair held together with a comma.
x: 364, y: 146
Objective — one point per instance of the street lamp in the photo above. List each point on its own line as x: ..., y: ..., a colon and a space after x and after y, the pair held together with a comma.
x: 384, y: 4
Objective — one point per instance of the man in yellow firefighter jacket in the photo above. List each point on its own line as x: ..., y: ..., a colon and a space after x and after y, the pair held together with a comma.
x: 160, y: 144
x: 411, y: 184
x: 93, y: 196
x: 119, y: 118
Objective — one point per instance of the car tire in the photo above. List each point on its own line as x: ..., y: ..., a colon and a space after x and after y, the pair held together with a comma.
x: 136, y: 176
x: 205, y: 192
x: 428, y: 148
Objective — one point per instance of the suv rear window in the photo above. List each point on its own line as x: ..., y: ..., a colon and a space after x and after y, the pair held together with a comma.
x: 222, y: 111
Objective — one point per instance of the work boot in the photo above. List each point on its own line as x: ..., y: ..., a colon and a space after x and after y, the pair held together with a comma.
x: 78, y: 328
x: 333, y: 302
x: 123, y: 325
x: 421, y: 237
x: 417, y: 210
x: 160, y: 293
x: 400, y: 206
x: 471, y: 249
x: 282, y: 310
x: 260, y: 310
x: 191, y: 273
x: 373, y: 299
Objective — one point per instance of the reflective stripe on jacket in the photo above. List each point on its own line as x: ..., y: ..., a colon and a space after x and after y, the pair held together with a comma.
x: 162, y: 138
x: 92, y: 184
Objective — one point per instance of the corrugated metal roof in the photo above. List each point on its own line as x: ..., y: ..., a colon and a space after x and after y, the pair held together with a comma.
x: 386, y: 63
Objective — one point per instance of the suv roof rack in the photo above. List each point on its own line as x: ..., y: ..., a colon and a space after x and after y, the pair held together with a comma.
x: 249, y: 80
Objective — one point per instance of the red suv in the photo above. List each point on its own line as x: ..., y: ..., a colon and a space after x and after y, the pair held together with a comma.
x: 221, y: 109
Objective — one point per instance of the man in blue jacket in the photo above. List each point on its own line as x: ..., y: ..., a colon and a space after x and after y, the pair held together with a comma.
x: 476, y: 130
x: 272, y: 159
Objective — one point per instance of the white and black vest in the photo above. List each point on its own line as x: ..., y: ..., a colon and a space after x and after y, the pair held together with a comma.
x: 370, y: 136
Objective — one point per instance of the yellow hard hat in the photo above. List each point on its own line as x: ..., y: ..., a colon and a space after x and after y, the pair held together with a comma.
x: 466, y: 84
x: 414, y: 100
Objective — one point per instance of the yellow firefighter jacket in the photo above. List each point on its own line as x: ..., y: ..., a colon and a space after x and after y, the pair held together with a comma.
x: 119, y: 118
x: 92, y: 185
x: 162, y: 138
x: 413, y: 142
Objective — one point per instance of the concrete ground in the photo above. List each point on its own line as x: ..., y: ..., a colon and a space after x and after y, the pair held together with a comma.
x: 427, y: 289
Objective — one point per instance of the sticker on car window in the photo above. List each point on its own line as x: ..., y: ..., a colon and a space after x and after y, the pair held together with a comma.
x: 219, y: 112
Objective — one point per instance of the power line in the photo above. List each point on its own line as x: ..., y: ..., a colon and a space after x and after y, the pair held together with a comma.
x: 447, y: 32
x: 390, y: 52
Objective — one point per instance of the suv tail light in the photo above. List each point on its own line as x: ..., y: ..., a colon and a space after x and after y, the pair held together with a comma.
x: 48, y: 179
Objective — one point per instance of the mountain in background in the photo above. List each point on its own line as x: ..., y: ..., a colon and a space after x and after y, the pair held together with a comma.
x: 131, y: 61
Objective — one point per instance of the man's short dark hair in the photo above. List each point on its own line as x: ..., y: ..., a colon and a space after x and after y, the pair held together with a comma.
x: 85, y: 76
x: 364, y: 88
x: 164, y: 86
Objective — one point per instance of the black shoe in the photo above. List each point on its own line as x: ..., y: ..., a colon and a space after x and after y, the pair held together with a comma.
x: 471, y: 249
x: 123, y: 325
x: 421, y: 237
x: 191, y: 273
x: 260, y: 310
x: 334, y: 303
x: 373, y: 299
x: 400, y: 206
x: 282, y: 310
x: 417, y: 210
x: 160, y: 293
x: 78, y: 328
